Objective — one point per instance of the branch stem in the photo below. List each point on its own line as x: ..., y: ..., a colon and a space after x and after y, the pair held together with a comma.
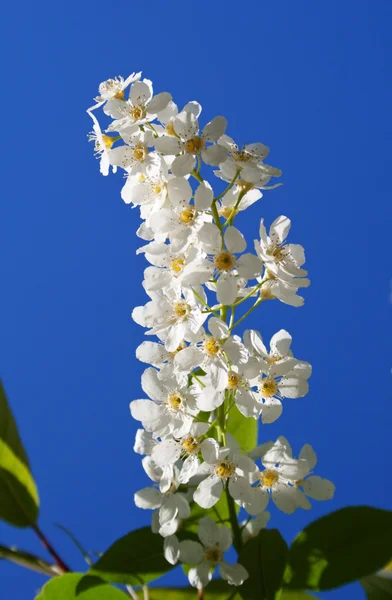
x: 46, y: 544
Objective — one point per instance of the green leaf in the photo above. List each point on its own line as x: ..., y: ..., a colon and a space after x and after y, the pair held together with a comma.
x: 377, y: 588
x: 340, y: 548
x: 134, y: 559
x: 243, y: 429
x: 19, y: 502
x: 27, y: 560
x: 265, y: 558
x: 65, y: 588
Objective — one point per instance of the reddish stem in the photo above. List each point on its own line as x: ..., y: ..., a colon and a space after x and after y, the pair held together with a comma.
x: 200, y: 593
x: 46, y: 544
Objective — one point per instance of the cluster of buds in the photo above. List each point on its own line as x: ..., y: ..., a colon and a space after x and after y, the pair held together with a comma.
x: 199, y: 276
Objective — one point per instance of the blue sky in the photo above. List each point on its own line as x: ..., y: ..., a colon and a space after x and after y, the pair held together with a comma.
x: 310, y: 80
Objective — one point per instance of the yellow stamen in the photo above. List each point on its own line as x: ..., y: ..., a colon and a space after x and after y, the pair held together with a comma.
x: 175, y: 400
x: 224, y: 261
x: 190, y: 444
x: 211, y: 346
x: 137, y: 112
x: 225, y: 469
x: 268, y: 387
x: 139, y: 152
x: 195, y: 145
x: 269, y: 478
x: 233, y: 380
x: 176, y: 264
x: 181, y: 308
x: 187, y: 216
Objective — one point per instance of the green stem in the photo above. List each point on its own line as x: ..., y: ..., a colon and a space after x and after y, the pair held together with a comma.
x: 255, y: 289
x: 197, y: 176
x: 237, y: 540
x: 230, y: 220
x: 197, y: 379
x: 228, y: 187
x: 205, y: 303
x: 256, y: 304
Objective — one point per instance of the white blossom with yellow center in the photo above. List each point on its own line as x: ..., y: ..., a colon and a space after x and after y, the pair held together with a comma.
x: 226, y: 265
x: 172, y: 505
x: 170, y: 450
x: 212, y: 353
x: 277, y: 479
x: 208, y: 554
x: 283, y: 260
x: 187, y: 143
x: 253, y: 174
x: 142, y: 106
x: 170, y: 409
x: 172, y: 315
x: 174, y: 270
x: 114, y: 88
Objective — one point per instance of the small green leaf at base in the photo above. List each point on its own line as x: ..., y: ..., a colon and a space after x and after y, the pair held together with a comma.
x: 264, y: 557
x: 243, y: 429
x: 134, y: 559
x: 19, y: 501
x: 65, y: 588
x: 340, y: 548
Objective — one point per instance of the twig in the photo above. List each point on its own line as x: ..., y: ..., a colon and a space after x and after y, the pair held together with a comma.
x: 46, y: 544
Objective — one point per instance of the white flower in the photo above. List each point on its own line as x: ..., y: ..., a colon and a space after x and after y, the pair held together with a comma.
x: 167, y: 116
x: 251, y: 528
x: 182, y: 221
x: 284, y: 261
x: 313, y: 486
x: 224, y: 262
x: 256, y: 176
x: 140, y: 108
x: 155, y: 354
x: 188, y: 143
x: 135, y: 156
x: 172, y: 316
x: 144, y: 442
x: 239, y: 388
x: 174, y: 270
x: 170, y: 450
x: 102, y: 145
x: 114, y: 88
x: 221, y: 467
x: 211, y: 353
x: 230, y: 205
x: 171, y: 407
x: 248, y: 156
x: 172, y: 504
x: 209, y: 554
x: 278, y: 480
x: 147, y: 190
x: 285, y: 291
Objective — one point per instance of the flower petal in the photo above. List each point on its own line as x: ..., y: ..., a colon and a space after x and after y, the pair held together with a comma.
x: 183, y: 164
x: 208, y: 492
x: 234, y: 574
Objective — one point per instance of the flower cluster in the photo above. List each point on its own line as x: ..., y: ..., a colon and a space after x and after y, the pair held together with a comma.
x: 201, y: 273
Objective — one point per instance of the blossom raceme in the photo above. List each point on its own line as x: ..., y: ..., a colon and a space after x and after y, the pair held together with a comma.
x: 206, y: 383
